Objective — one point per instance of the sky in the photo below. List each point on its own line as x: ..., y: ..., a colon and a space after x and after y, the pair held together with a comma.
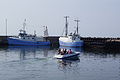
x: 98, y: 18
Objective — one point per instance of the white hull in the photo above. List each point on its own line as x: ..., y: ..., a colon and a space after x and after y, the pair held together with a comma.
x: 67, y: 56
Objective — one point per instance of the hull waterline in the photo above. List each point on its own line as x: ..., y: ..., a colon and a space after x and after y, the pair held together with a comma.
x: 68, y: 56
x: 71, y: 44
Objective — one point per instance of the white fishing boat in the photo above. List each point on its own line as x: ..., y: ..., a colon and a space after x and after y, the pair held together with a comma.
x: 72, y: 40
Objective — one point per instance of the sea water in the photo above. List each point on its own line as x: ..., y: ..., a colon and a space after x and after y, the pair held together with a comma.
x: 37, y: 63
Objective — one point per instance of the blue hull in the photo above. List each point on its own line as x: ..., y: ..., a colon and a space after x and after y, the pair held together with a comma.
x: 71, y: 44
x: 26, y: 43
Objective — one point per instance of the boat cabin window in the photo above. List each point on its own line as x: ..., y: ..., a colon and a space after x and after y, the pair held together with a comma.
x: 22, y: 34
x: 70, y: 34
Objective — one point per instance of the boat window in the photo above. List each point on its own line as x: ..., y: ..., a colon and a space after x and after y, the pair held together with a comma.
x: 32, y: 38
x: 23, y: 38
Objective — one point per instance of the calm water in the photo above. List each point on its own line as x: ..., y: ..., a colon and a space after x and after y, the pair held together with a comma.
x: 37, y: 63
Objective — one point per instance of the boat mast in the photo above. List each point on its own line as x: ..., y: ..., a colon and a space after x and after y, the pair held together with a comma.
x: 77, y: 21
x: 66, y: 25
x: 6, y: 26
x: 34, y: 32
x: 24, y: 24
x: 45, y: 31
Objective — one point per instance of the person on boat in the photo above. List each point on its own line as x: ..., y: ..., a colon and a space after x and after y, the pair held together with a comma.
x: 70, y: 51
x: 59, y: 51
x: 65, y: 51
x: 62, y: 52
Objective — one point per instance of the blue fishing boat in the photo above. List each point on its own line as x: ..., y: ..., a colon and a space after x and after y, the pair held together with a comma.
x: 27, y: 39
x: 72, y: 40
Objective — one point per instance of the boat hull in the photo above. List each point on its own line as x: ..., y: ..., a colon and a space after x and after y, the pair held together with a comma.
x: 12, y: 41
x: 71, y: 44
x: 73, y: 56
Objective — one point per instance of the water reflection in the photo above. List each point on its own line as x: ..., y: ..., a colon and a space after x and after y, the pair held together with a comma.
x: 27, y: 52
x: 3, y: 48
x: 76, y: 49
x: 101, y: 52
x: 64, y: 65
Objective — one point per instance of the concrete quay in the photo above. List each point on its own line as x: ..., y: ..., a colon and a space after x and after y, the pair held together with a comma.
x: 88, y: 41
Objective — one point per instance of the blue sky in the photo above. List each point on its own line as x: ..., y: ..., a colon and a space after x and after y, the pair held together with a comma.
x: 98, y: 18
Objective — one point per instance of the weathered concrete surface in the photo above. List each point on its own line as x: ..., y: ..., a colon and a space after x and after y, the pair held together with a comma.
x: 88, y: 41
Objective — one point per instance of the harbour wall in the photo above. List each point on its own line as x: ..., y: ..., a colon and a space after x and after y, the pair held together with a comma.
x: 3, y: 40
x: 101, y: 42
x: 88, y: 41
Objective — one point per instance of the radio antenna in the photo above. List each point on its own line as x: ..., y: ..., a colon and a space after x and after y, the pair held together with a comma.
x: 66, y: 25
x: 77, y: 21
